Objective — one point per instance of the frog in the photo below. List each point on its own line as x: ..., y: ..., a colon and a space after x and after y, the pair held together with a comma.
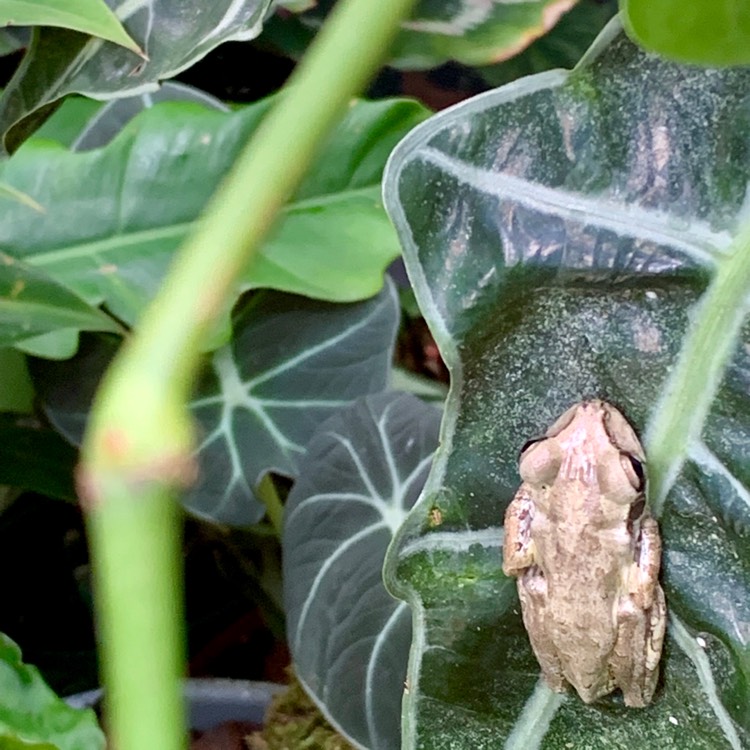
x: 586, y: 552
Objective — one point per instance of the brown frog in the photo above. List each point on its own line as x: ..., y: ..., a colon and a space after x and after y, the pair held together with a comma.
x: 587, y: 553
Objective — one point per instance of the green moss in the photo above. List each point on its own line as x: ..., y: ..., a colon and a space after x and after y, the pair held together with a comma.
x: 295, y: 723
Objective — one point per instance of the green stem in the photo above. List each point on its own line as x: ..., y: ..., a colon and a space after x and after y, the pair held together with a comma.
x: 679, y: 417
x: 137, y: 551
x: 267, y: 494
x: 138, y: 445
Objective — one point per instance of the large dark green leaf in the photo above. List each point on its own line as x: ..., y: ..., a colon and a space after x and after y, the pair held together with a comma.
x: 32, y: 717
x: 474, y: 33
x: 568, y: 237
x: 291, y: 362
x: 173, y: 34
x: 115, y: 216
x: 349, y: 638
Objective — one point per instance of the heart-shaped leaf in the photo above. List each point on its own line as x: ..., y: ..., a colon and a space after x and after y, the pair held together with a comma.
x: 173, y: 35
x: 32, y: 716
x: 111, y: 230
x: 349, y: 638
x: 570, y: 236
x: 291, y: 363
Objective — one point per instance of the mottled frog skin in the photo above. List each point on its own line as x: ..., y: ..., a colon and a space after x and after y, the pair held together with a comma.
x: 587, y: 553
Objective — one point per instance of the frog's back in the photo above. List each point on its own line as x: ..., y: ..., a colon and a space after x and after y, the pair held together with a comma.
x: 583, y: 600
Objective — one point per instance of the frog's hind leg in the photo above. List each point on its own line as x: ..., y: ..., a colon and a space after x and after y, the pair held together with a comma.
x: 635, y: 661
x: 532, y: 591
x: 642, y: 619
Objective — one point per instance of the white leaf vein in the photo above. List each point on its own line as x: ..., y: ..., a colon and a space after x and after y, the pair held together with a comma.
x: 321, y: 574
x: 703, y: 668
x: 698, y: 240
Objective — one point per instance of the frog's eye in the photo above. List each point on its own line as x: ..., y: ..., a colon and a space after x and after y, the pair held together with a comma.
x: 539, y: 462
x: 528, y: 445
x: 633, y: 469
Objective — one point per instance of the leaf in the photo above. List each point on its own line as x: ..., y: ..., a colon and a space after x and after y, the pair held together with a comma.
x: 420, y: 385
x: 173, y: 35
x: 83, y: 124
x: 88, y: 16
x: 291, y: 363
x: 32, y: 717
x: 31, y: 303
x: 10, y: 193
x: 561, y: 47
x: 36, y: 458
x: 111, y: 230
x: 60, y: 344
x: 349, y: 638
x: 113, y: 116
x: 707, y: 32
x: 68, y: 120
x: 473, y: 32
x: 13, y: 39
x: 16, y: 389
x: 580, y: 235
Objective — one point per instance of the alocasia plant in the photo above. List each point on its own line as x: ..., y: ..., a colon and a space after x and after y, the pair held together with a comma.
x: 580, y: 235
x: 291, y: 363
x: 363, y: 470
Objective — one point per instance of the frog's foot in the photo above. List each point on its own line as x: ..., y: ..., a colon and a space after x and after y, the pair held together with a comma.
x: 555, y: 681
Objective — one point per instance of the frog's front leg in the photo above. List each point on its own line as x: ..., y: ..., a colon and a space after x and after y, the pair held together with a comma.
x: 532, y: 591
x: 642, y: 619
x: 519, y: 559
x: 518, y: 548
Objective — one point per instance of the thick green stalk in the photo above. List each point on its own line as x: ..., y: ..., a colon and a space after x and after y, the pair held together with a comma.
x: 144, y: 693
x: 138, y: 446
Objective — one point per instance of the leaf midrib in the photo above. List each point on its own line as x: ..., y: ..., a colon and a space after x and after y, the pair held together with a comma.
x: 176, y: 230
